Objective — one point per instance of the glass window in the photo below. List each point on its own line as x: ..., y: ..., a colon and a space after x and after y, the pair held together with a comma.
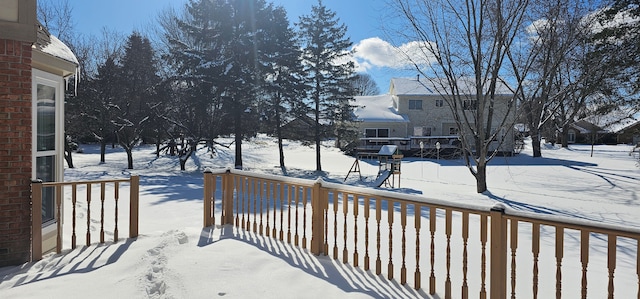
x: 370, y: 133
x: 470, y: 105
x: 572, y: 136
x: 453, y: 131
x: 46, y: 118
x: 415, y: 104
x: 439, y: 102
x: 374, y: 133
x: 45, y: 171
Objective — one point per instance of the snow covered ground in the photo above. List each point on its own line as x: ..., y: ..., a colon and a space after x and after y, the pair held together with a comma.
x: 175, y: 258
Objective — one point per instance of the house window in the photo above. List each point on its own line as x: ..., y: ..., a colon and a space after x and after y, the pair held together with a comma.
x: 47, y: 136
x: 415, y: 104
x: 571, y: 136
x: 453, y: 131
x: 470, y: 105
x: 421, y: 131
x: 439, y: 102
x: 376, y: 133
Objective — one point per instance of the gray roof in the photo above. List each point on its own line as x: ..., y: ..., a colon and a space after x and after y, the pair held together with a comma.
x: 435, y: 86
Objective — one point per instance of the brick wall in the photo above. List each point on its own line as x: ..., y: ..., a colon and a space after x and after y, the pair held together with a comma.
x: 15, y: 152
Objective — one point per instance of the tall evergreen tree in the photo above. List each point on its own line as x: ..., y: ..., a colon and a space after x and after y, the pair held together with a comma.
x: 197, y: 64
x: 283, y: 76
x: 139, y: 82
x: 218, y: 48
x: 100, y: 103
x: 617, y: 43
x: 325, y: 57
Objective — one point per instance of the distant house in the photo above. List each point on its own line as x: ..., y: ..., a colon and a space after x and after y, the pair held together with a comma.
x: 616, y: 127
x: 414, y: 113
x: 33, y: 67
x: 629, y: 133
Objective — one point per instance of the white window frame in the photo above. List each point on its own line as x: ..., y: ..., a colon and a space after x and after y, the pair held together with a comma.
x: 43, y: 78
x: 413, y: 107
x: 377, y: 132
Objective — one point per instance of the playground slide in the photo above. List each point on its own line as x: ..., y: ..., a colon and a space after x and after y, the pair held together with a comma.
x: 383, y: 176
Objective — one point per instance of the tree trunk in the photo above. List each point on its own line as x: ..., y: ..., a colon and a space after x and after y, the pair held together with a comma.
x: 67, y: 152
x: 481, y: 176
x: 157, y: 147
x: 103, y: 150
x: 238, y: 139
x: 535, y: 143
x: 565, y: 136
x: 68, y: 158
x: 279, y: 135
x: 317, y: 136
x: 129, y: 157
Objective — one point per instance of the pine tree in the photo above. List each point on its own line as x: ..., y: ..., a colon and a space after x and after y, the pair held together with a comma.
x: 283, y: 76
x: 219, y: 51
x: 139, y: 82
x: 326, y: 48
x: 195, y: 54
x: 100, y: 103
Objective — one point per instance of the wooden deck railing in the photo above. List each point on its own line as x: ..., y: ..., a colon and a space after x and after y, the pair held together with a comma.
x: 458, y: 250
x: 37, y: 187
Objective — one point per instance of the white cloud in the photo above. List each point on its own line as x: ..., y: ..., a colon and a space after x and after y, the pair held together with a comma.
x: 375, y: 52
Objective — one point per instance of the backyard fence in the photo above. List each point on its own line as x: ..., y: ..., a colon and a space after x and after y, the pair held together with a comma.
x: 37, y: 195
x: 458, y: 250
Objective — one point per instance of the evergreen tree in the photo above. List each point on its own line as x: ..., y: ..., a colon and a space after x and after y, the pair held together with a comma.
x: 284, y: 87
x: 617, y: 43
x: 197, y: 64
x: 219, y: 49
x: 100, y: 103
x: 139, y: 82
x: 325, y: 57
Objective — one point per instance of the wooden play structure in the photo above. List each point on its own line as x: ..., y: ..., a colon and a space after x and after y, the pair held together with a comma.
x: 389, y: 161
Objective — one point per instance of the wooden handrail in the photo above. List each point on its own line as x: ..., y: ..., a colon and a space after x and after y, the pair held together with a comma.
x: 36, y: 215
x: 361, y: 226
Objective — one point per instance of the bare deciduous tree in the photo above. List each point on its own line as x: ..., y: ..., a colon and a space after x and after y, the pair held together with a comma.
x: 56, y: 16
x: 470, y: 43
x: 364, y: 85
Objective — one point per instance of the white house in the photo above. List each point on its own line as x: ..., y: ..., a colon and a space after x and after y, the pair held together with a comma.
x: 415, y: 113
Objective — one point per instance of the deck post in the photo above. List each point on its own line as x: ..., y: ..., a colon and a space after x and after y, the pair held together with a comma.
x: 227, y: 197
x: 36, y: 220
x: 317, y: 219
x: 208, y: 194
x: 134, y: 192
x: 498, y: 263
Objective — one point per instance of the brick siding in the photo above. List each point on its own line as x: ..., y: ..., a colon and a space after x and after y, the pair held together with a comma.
x: 15, y: 152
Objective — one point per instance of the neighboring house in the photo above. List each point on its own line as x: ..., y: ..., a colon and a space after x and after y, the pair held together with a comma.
x: 415, y: 113
x: 613, y: 128
x: 33, y: 66
x: 629, y: 133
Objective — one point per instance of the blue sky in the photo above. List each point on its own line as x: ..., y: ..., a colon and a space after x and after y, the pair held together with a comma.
x: 364, y: 19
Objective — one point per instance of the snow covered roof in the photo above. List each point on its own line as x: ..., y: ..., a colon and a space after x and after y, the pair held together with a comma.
x: 51, y: 45
x: 59, y: 49
x: 388, y: 150
x: 614, y: 121
x: 436, y: 86
x: 377, y: 109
